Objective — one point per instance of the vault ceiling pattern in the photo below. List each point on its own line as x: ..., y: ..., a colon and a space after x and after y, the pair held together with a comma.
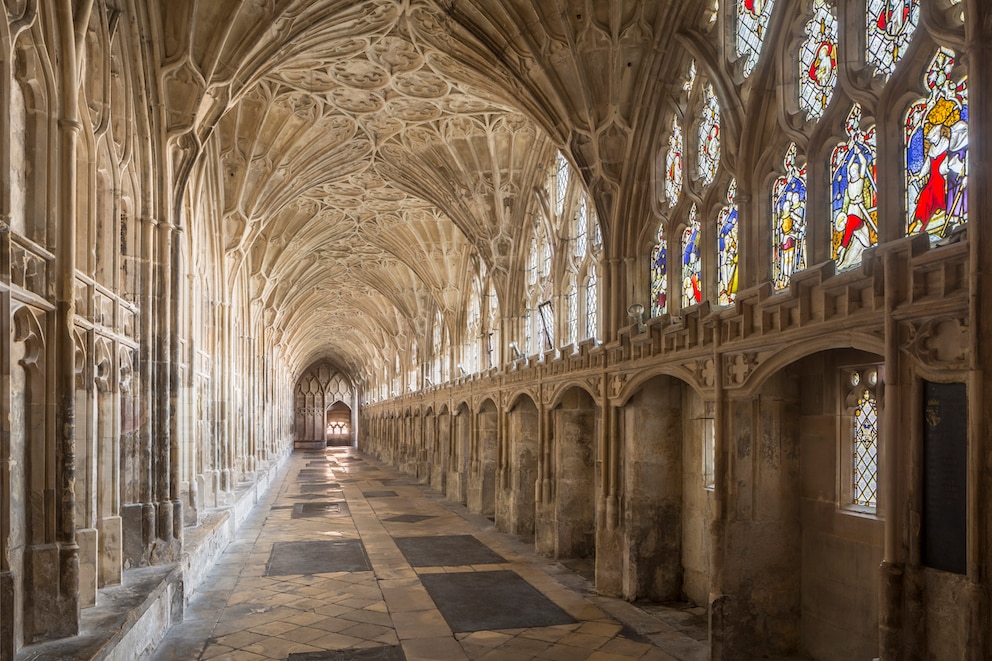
x: 371, y: 156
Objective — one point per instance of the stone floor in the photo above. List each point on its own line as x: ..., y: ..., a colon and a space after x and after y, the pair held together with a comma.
x: 346, y: 558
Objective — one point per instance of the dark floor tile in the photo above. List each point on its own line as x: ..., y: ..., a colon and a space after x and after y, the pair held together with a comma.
x: 477, y: 601
x: 446, y: 551
x: 379, y: 494
x: 368, y: 654
x: 318, y: 486
x: 409, y: 518
x: 307, y: 510
x: 317, y: 557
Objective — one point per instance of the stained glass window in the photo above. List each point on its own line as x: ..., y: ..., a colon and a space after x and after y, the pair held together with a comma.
x: 659, y: 275
x: 674, y: 164
x: 890, y: 28
x: 937, y: 153
x: 692, y: 272
x: 709, y: 137
x: 789, y: 221
x: 818, y: 61
x: 690, y: 78
x: 592, y: 303
x: 752, y: 20
x: 437, y: 348
x: 473, y: 329
x: 726, y: 227
x: 853, y: 207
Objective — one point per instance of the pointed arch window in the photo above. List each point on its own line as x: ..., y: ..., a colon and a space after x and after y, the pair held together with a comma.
x: 859, y: 437
x: 726, y: 227
x: 818, y: 61
x: 592, y: 303
x: 708, y: 145
x: 674, y: 164
x: 473, y: 331
x: 437, y: 348
x: 571, y: 310
x: 559, y: 187
x: 659, y: 275
x: 752, y: 21
x: 890, y: 25
x: 853, y: 205
x: 789, y: 221
x: 492, y: 345
x: 936, y: 137
x: 692, y: 271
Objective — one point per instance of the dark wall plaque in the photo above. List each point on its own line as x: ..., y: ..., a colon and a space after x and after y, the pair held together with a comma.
x: 945, y: 476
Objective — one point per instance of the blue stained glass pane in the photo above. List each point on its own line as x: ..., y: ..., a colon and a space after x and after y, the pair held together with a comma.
x: 692, y: 286
x: 789, y: 221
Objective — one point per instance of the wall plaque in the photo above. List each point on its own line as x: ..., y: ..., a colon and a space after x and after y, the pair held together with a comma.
x: 945, y: 476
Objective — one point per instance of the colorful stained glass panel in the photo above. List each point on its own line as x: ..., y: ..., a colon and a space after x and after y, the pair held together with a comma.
x: 752, y: 21
x: 937, y: 153
x: 853, y: 206
x: 890, y: 27
x: 674, y: 165
x: 818, y: 61
x: 789, y: 221
x: 659, y: 276
x: 726, y: 227
x: 709, y: 137
x: 692, y: 271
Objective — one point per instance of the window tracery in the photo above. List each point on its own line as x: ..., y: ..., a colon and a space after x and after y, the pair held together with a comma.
x: 789, y: 221
x: 890, y: 28
x: 674, y: 164
x: 861, y: 435
x: 853, y: 203
x: 708, y: 144
x: 818, y: 61
x: 936, y: 135
x: 473, y: 331
x: 726, y: 226
x: 752, y: 22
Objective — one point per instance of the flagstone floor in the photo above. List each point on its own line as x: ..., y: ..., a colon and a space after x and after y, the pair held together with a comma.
x: 347, y: 559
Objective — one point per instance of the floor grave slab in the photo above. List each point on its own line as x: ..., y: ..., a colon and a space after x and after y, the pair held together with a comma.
x: 446, y: 551
x: 317, y: 557
x: 367, y: 654
x: 318, y: 486
x: 409, y: 518
x: 313, y: 475
x: 477, y: 601
x: 379, y: 494
x: 307, y: 510
x: 318, y: 464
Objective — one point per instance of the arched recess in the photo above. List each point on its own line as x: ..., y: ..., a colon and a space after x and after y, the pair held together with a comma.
x: 515, y: 498
x: 319, y: 387
x: 337, y: 424
x: 484, y: 461
x: 440, y: 451
x: 461, y: 431
x: 566, y: 526
x: 428, y: 427
x: 800, y: 568
x: 667, y: 431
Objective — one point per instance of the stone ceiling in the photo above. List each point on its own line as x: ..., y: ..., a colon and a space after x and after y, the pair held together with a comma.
x: 370, y: 153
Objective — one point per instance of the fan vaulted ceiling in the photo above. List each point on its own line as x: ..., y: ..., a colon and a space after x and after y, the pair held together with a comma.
x: 362, y: 159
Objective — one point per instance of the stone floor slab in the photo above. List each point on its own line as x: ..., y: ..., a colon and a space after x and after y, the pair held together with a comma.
x: 317, y: 557
x: 446, y: 551
x: 478, y: 601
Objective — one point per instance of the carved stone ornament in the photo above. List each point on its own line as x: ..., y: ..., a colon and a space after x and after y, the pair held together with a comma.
x: 705, y: 372
x: 738, y: 367
x: 617, y: 383
x: 939, y: 343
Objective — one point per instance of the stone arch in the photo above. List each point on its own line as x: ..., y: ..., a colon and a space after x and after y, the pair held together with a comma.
x: 484, y: 460
x: 819, y: 557
x: 516, y: 497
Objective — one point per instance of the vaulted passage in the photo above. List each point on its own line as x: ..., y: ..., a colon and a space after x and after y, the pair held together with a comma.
x: 429, y: 319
